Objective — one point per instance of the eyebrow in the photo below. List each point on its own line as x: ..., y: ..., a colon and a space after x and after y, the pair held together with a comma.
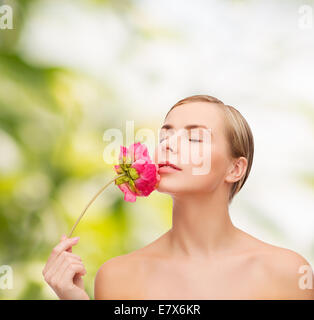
x: 188, y: 127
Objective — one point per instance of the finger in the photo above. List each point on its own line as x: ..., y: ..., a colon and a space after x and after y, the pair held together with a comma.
x: 64, y: 237
x: 53, y: 277
x: 58, y: 249
x: 55, y: 266
x: 68, y: 271
x: 74, y: 269
x: 75, y: 256
x: 58, y: 270
x: 64, y: 245
x: 55, y: 280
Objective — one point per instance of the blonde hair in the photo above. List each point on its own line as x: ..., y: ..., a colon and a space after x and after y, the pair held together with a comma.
x: 238, y: 134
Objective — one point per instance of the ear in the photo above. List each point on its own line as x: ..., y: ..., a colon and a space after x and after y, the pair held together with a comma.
x: 237, y: 170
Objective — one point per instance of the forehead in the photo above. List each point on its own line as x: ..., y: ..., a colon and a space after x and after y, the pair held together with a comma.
x: 201, y: 113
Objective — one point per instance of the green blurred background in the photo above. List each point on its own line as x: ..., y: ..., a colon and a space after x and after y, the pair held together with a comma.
x: 69, y: 70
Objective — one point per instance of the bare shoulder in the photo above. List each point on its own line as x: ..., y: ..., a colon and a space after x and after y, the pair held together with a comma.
x: 285, y: 274
x: 120, y: 277
x: 125, y: 276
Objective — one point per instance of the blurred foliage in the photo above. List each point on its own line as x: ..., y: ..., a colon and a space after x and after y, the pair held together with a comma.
x: 51, y: 165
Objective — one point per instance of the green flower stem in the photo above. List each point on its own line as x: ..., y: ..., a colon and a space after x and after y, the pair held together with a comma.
x: 93, y: 199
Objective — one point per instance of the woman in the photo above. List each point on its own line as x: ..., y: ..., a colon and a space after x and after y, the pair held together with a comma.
x: 203, y: 255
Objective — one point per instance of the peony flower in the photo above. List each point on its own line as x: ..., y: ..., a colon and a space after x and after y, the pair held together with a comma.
x: 140, y: 177
x: 137, y: 175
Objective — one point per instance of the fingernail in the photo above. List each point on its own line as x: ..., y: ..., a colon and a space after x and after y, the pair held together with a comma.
x: 76, y: 238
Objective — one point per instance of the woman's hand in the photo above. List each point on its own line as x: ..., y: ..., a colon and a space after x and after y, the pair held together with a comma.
x: 64, y: 271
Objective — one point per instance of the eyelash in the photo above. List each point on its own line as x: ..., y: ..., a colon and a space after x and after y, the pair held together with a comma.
x: 194, y: 140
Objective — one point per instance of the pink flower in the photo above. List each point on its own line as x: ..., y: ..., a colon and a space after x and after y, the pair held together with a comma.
x: 140, y: 177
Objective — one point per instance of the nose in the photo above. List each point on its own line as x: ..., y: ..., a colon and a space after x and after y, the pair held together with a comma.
x: 171, y: 143
x: 167, y: 148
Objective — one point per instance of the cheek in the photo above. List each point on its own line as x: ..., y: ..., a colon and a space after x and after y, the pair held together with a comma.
x: 218, y: 167
x: 155, y: 155
x: 194, y: 155
x: 200, y: 157
x: 186, y: 181
x: 213, y: 165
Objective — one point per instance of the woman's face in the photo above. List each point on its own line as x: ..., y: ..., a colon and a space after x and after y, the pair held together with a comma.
x: 201, y: 153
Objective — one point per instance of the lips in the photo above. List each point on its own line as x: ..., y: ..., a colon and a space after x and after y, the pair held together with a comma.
x: 167, y: 164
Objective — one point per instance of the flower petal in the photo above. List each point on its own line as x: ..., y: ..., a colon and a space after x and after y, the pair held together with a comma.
x: 128, y: 194
x: 146, y: 178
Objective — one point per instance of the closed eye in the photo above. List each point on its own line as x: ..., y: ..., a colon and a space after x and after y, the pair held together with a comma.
x: 192, y: 140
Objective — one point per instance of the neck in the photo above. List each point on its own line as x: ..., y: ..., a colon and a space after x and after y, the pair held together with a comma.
x: 201, y: 225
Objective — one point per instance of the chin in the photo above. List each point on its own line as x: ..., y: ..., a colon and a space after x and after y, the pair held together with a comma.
x: 169, y: 186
